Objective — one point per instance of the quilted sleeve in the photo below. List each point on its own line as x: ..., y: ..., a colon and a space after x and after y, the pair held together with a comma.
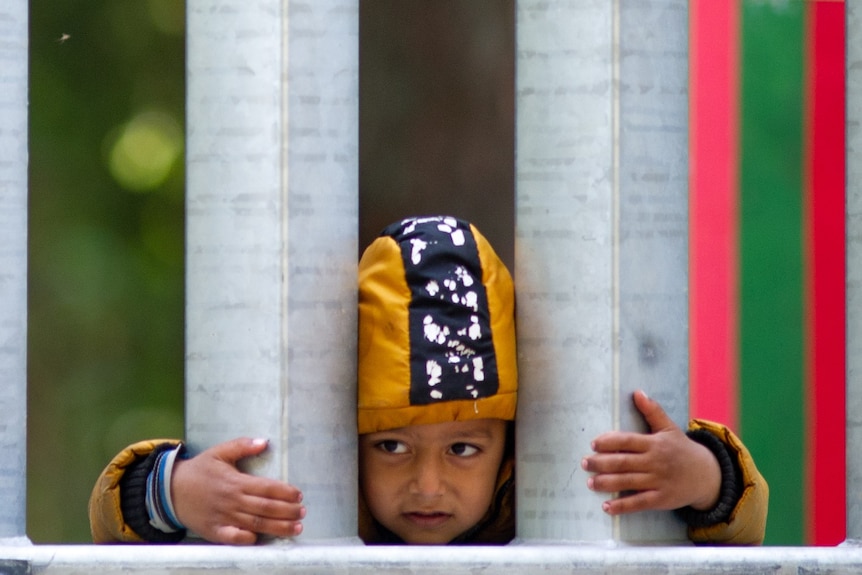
x: 746, y: 524
x: 107, y: 524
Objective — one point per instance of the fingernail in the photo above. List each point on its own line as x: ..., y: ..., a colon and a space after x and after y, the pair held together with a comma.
x: 584, y: 464
x: 644, y: 394
x: 302, y: 513
x: 259, y: 441
x: 590, y: 483
x: 297, y: 528
x: 593, y: 445
x: 606, y: 507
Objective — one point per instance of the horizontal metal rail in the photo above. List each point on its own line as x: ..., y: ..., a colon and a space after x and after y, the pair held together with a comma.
x: 357, y: 559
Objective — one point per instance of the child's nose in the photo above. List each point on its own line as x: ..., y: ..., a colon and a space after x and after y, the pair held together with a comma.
x: 428, y: 477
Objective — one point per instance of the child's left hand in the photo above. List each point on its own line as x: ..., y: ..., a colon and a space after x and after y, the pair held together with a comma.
x: 663, y: 469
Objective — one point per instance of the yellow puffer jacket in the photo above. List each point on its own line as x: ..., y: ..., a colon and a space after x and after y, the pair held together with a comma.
x: 747, y: 522
x: 395, y: 273
x: 746, y: 525
x: 437, y: 344
x: 106, y: 515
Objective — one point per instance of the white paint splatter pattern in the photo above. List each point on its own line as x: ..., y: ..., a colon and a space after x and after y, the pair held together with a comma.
x: 418, y: 247
x: 458, y: 279
x: 478, y: 369
x: 454, y: 322
x: 434, y: 371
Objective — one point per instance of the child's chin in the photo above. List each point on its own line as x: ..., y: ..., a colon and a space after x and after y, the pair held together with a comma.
x: 426, y: 538
x: 427, y: 543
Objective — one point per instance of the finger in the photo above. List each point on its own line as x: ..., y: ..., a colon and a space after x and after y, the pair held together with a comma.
x: 273, y: 508
x: 632, y: 503
x: 267, y: 526
x: 620, y: 482
x: 614, y: 463
x: 616, y: 441
x: 240, y: 448
x: 271, y: 489
x: 653, y: 413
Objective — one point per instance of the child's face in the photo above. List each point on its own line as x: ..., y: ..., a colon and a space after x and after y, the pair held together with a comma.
x: 430, y: 483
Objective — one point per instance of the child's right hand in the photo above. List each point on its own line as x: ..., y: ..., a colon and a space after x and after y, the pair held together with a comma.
x: 662, y: 469
x: 217, y: 501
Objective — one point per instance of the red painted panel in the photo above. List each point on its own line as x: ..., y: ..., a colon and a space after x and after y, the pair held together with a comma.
x: 714, y: 117
x: 825, y: 304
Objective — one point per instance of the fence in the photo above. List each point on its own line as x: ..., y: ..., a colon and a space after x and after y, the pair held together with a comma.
x: 271, y: 234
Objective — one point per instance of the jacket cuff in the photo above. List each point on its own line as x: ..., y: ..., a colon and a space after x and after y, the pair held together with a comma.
x: 731, y: 484
x: 133, y: 499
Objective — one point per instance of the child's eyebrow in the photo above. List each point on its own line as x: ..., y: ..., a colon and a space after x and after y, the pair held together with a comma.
x: 474, y: 434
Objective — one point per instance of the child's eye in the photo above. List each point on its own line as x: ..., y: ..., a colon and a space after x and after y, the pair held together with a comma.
x: 463, y: 449
x: 392, y: 446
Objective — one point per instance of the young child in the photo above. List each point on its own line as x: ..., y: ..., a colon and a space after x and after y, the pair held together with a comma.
x: 437, y: 395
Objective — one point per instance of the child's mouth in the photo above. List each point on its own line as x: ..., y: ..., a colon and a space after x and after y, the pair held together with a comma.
x: 427, y: 519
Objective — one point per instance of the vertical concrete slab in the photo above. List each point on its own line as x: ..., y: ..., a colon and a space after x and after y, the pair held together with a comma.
x: 601, y: 247
x: 272, y: 111
x: 853, y: 150
x: 652, y: 234
x: 13, y: 268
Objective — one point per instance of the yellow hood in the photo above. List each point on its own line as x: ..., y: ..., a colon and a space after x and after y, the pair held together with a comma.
x: 436, y: 327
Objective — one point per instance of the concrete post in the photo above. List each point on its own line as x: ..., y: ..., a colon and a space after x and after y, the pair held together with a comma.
x: 271, y: 242
x: 601, y: 247
x: 13, y: 269
x: 853, y: 136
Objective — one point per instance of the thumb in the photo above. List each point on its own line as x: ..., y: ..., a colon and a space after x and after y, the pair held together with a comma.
x: 653, y: 413
x: 232, y: 535
x: 240, y: 448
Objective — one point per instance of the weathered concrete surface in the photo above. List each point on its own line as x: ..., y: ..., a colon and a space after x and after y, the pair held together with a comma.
x: 601, y: 247
x: 271, y: 212
x: 854, y: 268
x: 13, y: 266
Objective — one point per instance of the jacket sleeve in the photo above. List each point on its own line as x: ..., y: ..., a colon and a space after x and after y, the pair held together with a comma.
x: 107, y: 524
x: 747, y: 522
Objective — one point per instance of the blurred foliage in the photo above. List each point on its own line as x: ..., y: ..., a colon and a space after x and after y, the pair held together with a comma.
x: 107, y: 81
x: 105, y: 350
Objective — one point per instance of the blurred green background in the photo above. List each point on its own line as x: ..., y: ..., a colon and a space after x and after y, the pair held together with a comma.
x: 105, y: 349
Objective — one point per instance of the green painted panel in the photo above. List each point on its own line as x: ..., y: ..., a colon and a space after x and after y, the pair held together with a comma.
x: 771, y: 254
